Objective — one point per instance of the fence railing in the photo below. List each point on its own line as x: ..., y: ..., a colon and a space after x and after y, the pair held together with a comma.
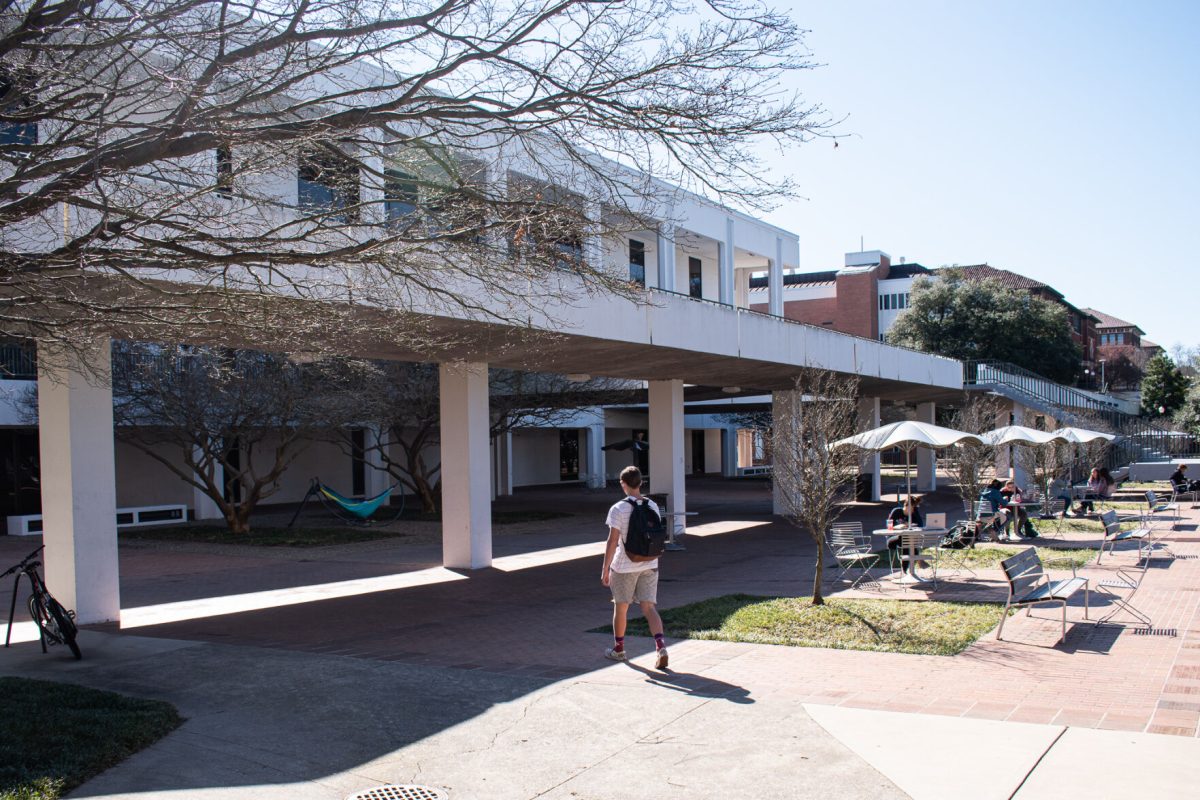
x: 1034, y: 385
x: 18, y: 362
x: 1139, y: 439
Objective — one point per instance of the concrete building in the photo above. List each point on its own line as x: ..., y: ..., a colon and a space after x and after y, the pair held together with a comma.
x: 867, y: 295
x: 701, y: 343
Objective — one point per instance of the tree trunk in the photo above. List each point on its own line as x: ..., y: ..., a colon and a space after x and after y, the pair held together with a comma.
x: 237, y: 517
x: 817, y: 598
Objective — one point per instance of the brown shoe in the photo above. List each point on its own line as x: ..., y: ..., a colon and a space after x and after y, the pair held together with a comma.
x: 660, y: 659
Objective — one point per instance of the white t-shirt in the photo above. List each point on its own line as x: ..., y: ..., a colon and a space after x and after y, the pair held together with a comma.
x: 618, y: 517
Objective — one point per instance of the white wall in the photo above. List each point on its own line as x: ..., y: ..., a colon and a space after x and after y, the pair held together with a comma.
x: 536, y: 456
x: 142, y: 481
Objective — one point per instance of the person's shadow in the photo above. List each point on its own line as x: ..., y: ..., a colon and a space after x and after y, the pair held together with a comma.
x: 694, y: 685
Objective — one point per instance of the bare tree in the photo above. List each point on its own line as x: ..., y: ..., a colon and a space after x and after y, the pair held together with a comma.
x: 404, y: 401
x: 968, y: 462
x: 228, y: 423
x: 280, y: 173
x: 809, y: 474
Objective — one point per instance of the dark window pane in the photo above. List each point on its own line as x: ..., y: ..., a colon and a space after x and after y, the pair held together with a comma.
x: 400, y: 196
x: 695, y: 277
x: 328, y: 181
x: 637, y: 261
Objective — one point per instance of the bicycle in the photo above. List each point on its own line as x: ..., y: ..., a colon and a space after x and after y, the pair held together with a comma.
x: 56, y: 625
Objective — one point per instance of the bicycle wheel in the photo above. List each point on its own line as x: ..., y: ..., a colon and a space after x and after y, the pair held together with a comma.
x: 55, y: 622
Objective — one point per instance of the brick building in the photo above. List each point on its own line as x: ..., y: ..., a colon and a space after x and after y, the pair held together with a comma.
x: 868, y: 294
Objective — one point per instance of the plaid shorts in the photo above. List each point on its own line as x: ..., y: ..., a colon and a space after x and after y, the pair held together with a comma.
x: 634, y: 587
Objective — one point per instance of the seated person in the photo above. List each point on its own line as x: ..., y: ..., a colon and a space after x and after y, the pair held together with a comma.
x: 1180, y: 482
x: 1096, y: 488
x: 992, y: 495
x: 1013, y: 495
x: 906, y: 516
x: 1061, y: 490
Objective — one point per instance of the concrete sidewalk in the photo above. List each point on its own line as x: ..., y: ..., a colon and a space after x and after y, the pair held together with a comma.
x: 267, y: 724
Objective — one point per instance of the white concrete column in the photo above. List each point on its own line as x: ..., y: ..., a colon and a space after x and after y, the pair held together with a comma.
x: 666, y: 444
x: 595, y: 457
x: 868, y: 417
x: 725, y: 266
x: 926, y: 457
x: 502, y: 469
x: 1021, y: 456
x: 203, y: 506
x: 729, y: 452
x: 78, y: 482
x: 775, y: 280
x: 666, y: 256
x: 466, y: 466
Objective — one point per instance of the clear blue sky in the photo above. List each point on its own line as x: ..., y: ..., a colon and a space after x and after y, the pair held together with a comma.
x: 1060, y: 140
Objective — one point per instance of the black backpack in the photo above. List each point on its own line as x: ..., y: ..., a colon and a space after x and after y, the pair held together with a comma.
x: 646, y: 538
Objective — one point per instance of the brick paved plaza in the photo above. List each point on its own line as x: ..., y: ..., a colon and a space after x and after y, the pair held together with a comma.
x: 530, y: 616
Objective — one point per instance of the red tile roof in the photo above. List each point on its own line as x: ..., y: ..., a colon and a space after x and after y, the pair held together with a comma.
x: 1109, y: 321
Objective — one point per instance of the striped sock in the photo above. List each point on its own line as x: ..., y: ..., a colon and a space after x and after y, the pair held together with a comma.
x: 659, y: 643
x: 619, y: 643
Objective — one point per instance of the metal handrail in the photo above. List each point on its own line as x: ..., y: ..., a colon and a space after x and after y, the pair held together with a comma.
x: 18, y: 362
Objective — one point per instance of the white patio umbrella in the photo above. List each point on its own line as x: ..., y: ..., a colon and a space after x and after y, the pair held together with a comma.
x: 1025, y: 437
x: 907, y: 436
x: 1019, y: 434
x: 1082, y: 435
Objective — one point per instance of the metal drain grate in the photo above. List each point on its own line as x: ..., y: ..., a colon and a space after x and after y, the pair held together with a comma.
x: 407, y: 792
x: 1155, y: 632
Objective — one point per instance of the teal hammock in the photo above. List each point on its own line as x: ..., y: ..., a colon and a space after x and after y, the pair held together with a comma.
x: 346, y: 508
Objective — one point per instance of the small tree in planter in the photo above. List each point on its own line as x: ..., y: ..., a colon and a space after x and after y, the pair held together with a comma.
x: 968, y: 462
x: 810, y: 476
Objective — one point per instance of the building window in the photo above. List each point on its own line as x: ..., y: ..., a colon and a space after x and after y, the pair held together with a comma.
x: 637, y: 261
x: 906, y: 297
x: 400, y: 196
x: 224, y: 158
x: 17, y: 130
x: 327, y: 180
x: 695, y: 278
x: 1120, y: 338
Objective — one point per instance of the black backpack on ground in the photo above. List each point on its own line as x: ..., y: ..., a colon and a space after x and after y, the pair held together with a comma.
x: 646, y: 538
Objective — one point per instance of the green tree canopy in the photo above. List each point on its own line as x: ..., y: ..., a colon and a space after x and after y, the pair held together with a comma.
x: 1164, y: 386
x: 972, y: 320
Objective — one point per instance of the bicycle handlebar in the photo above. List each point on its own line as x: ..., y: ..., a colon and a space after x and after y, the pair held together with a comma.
x: 25, y: 562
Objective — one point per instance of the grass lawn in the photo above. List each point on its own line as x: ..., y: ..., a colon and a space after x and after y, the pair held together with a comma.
x: 54, y: 736
x: 890, y: 626
x: 1062, y: 557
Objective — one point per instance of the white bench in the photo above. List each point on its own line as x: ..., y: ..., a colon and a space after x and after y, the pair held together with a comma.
x: 141, y: 516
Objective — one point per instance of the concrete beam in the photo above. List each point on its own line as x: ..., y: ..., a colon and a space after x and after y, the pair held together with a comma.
x: 466, y: 466
x: 78, y: 481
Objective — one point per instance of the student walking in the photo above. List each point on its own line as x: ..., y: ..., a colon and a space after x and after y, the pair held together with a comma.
x: 632, y: 579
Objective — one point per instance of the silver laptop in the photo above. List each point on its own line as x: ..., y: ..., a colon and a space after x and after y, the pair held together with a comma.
x: 935, y: 520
